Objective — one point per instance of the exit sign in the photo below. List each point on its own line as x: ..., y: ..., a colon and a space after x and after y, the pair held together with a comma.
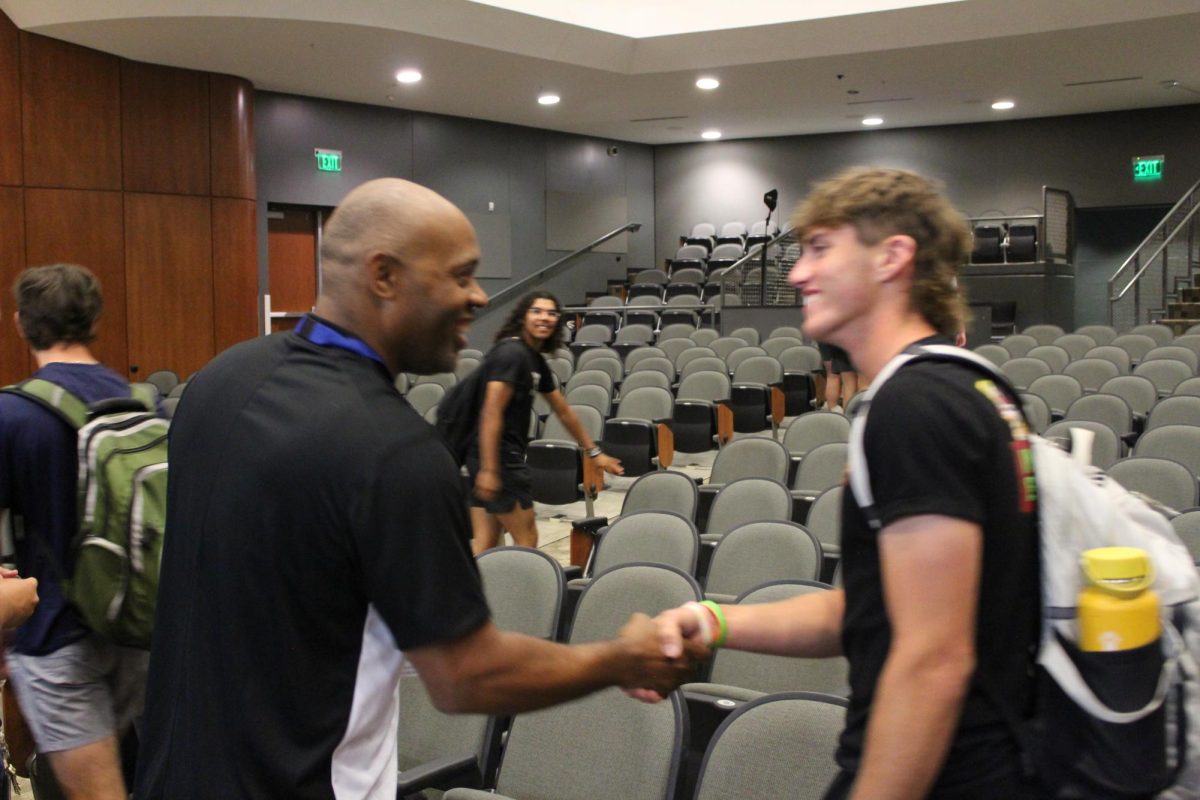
x: 329, y: 160
x: 1148, y: 168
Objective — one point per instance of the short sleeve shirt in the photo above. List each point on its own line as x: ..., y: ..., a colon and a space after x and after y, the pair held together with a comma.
x: 38, y: 468
x: 316, y: 529
x: 513, y: 362
x: 940, y: 440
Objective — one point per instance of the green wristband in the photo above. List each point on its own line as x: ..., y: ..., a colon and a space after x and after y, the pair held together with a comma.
x: 722, y: 625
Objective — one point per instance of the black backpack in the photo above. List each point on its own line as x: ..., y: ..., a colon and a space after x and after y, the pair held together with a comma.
x: 458, y: 414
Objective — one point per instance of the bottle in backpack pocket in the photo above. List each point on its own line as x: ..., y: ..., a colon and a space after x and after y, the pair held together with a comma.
x: 1117, y: 608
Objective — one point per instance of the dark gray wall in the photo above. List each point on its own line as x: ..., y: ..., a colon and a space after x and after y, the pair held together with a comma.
x: 995, y: 166
x: 1104, y: 239
x: 472, y: 163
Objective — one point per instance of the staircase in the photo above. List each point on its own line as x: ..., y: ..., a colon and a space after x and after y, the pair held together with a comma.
x: 1160, y: 281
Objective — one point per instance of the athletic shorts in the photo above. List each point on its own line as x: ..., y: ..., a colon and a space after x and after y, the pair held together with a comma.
x: 516, y: 487
x: 836, y: 356
x: 81, y: 693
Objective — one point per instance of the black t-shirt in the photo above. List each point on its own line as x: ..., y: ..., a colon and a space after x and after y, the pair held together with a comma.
x: 937, y: 443
x: 513, y: 362
x: 316, y: 529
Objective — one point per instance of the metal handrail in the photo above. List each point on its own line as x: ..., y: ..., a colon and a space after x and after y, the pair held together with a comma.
x: 498, y: 299
x: 754, y: 254
x: 1167, y: 240
x: 1134, y: 255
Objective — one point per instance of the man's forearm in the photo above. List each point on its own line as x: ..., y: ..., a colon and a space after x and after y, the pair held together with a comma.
x: 916, y: 709
x: 808, y: 626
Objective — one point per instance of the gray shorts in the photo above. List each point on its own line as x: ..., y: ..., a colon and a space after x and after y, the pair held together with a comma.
x: 79, y: 694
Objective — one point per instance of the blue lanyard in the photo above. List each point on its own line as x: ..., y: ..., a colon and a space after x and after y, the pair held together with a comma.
x: 317, y: 332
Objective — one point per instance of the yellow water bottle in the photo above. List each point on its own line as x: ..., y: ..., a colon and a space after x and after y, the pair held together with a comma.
x: 1117, y: 609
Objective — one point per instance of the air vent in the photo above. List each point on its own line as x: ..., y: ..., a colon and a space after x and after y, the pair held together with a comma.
x: 1104, y: 80
x: 879, y: 100
x: 659, y: 119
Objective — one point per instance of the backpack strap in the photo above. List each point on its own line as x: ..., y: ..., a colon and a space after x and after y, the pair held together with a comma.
x: 54, y: 398
x: 860, y: 478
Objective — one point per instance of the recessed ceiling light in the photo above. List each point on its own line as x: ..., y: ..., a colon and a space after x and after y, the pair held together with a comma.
x: 548, y: 99
x: 408, y: 76
x: 1003, y: 105
x: 872, y: 121
x: 714, y: 134
x: 707, y: 83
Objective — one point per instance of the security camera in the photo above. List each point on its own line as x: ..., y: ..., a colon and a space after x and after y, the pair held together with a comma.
x: 612, y: 150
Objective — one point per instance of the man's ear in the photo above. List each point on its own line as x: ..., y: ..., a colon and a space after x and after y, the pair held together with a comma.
x: 384, y: 273
x: 898, y: 253
x: 17, y: 324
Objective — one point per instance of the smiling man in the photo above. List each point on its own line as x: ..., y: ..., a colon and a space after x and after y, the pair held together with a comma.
x: 317, y: 539
x: 514, y: 369
x: 940, y: 609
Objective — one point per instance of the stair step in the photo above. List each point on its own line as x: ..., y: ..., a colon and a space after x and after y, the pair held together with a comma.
x: 1189, y: 295
x: 1183, y: 310
x: 1178, y: 326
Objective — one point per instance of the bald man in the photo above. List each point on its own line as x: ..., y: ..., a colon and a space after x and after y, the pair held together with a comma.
x: 319, y: 538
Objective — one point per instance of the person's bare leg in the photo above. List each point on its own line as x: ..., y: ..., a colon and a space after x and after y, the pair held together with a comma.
x: 521, y: 523
x: 90, y: 772
x: 849, y: 387
x: 833, y: 387
x: 486, y: 529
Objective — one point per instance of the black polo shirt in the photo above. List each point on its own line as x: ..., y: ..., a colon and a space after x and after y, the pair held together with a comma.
x: 316, y: 528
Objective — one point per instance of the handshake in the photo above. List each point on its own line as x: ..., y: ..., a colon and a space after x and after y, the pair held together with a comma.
x: 664, y: 651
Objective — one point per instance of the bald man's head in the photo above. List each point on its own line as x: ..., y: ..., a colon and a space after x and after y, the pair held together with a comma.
x: 398, y: 269
x: 388, y: 215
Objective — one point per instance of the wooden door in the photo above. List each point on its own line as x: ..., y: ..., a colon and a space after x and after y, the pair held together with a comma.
x: 291, y: 263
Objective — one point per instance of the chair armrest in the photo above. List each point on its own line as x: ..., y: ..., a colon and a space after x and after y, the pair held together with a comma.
x: 778, y: 403
x: 590, y: 525
x: 724, y: 421
x: 454, y: 770
x: 666, y: 443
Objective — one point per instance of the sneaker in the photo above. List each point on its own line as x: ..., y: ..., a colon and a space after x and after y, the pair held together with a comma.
x: 837, y: 410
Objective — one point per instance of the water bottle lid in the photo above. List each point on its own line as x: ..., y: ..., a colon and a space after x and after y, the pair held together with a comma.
x: 1120, y: 570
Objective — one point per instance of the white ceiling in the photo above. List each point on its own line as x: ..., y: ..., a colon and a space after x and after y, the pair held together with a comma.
x: 925, y: 63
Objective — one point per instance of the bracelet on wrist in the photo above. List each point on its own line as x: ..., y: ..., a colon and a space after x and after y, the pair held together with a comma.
x: 722, y: 625
x: 594, y: 451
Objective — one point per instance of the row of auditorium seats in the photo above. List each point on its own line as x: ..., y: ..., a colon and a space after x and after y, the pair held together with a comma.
x: 607, y: 745
x: 1009, y: 243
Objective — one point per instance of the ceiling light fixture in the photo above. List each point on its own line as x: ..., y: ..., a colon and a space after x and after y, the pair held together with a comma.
x: 1003, y: 105
x: 714, y: 134
x: 408, y: 76
x: 548, y: 99
x: 708, y: 84
x: 872, y: 121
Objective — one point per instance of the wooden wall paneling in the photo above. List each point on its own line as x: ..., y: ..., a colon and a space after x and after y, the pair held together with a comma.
x: 235, y: 271
x: 84, y: 227
x: 164, y: 129
x: 70, y: 115
x: 15, y: 362
x: 231, y: 115
x: 169, y: 282
x: 10, y: 103
x: 292, y: 260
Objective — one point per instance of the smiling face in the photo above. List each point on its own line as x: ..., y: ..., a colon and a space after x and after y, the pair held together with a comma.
x: 834, y: 276
x: 541, y: 320
x: 437, y: 297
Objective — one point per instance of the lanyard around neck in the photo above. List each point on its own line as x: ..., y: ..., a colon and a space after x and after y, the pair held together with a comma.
x: 319, y: 333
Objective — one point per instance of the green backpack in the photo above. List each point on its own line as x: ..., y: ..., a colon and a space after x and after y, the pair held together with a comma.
x: 113, y: 562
